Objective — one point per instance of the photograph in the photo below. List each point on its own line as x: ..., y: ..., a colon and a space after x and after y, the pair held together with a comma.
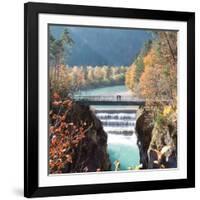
x: 109, y: 99
x: 112, y: 99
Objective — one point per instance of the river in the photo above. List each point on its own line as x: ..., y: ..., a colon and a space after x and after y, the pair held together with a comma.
x: 119, y: 123
x: 111, y: 90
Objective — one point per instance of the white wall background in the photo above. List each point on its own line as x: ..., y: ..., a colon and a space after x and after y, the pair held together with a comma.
x: 11, y: 98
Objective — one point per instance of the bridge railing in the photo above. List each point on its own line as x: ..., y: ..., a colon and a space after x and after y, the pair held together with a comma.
x: 118, y: 98
x: 107, y: 98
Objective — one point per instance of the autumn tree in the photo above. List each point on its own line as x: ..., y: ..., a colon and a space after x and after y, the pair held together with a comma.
x: 159, y: 77
x: 61, y: 82
x: 130, y: 77
x: 135, y: 71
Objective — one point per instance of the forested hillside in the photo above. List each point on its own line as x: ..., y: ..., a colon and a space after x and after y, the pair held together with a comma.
x: 153, y: 74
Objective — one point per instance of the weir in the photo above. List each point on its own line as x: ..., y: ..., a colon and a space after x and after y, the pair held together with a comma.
x: 117, y: 121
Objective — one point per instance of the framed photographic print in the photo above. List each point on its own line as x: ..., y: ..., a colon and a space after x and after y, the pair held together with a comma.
x: 109, y: 99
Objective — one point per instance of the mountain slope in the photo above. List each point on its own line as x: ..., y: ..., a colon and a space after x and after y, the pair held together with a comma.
x: 103, y: 46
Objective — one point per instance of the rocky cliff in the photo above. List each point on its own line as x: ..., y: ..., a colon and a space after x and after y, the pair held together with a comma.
x: 157, y: 139
x: 80, y: 143
x: 91, y: 153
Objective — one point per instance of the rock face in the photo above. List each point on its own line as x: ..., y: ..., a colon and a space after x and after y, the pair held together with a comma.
x: 91, y: 153
x: 157, y: 143
x: 144, y: 129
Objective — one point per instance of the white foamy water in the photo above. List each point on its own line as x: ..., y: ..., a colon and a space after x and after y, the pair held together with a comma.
x: 119, y: 128
x: 116, y: 116
x: 119, y: 124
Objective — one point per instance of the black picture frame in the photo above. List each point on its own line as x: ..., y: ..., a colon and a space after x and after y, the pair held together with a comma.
x: 31, y: 133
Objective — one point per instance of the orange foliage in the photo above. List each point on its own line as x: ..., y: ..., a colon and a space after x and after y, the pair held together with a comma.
x: 149, y: 84
x: 130, y: 77
x: 63, y: 136
x: 159, y: 77
x: 150, y: 59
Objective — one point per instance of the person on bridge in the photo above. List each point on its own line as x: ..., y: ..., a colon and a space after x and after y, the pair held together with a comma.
x: 118, y: 97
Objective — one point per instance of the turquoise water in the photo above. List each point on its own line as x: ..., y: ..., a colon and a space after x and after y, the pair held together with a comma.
x: 128, y: 156
x: 112, y: 90
x: 123, y: 149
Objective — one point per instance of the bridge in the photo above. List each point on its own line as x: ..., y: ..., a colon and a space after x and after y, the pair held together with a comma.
x: 109, y: 100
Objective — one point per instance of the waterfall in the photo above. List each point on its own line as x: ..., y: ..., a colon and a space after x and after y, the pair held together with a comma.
x: 122, y: 123
x: 119, y: 124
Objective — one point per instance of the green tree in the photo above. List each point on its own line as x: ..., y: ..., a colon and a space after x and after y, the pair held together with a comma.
x: 59, y: 48
x: 67, y: 42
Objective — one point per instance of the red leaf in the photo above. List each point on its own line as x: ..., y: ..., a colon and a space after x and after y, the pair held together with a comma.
x: 56, y: 96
